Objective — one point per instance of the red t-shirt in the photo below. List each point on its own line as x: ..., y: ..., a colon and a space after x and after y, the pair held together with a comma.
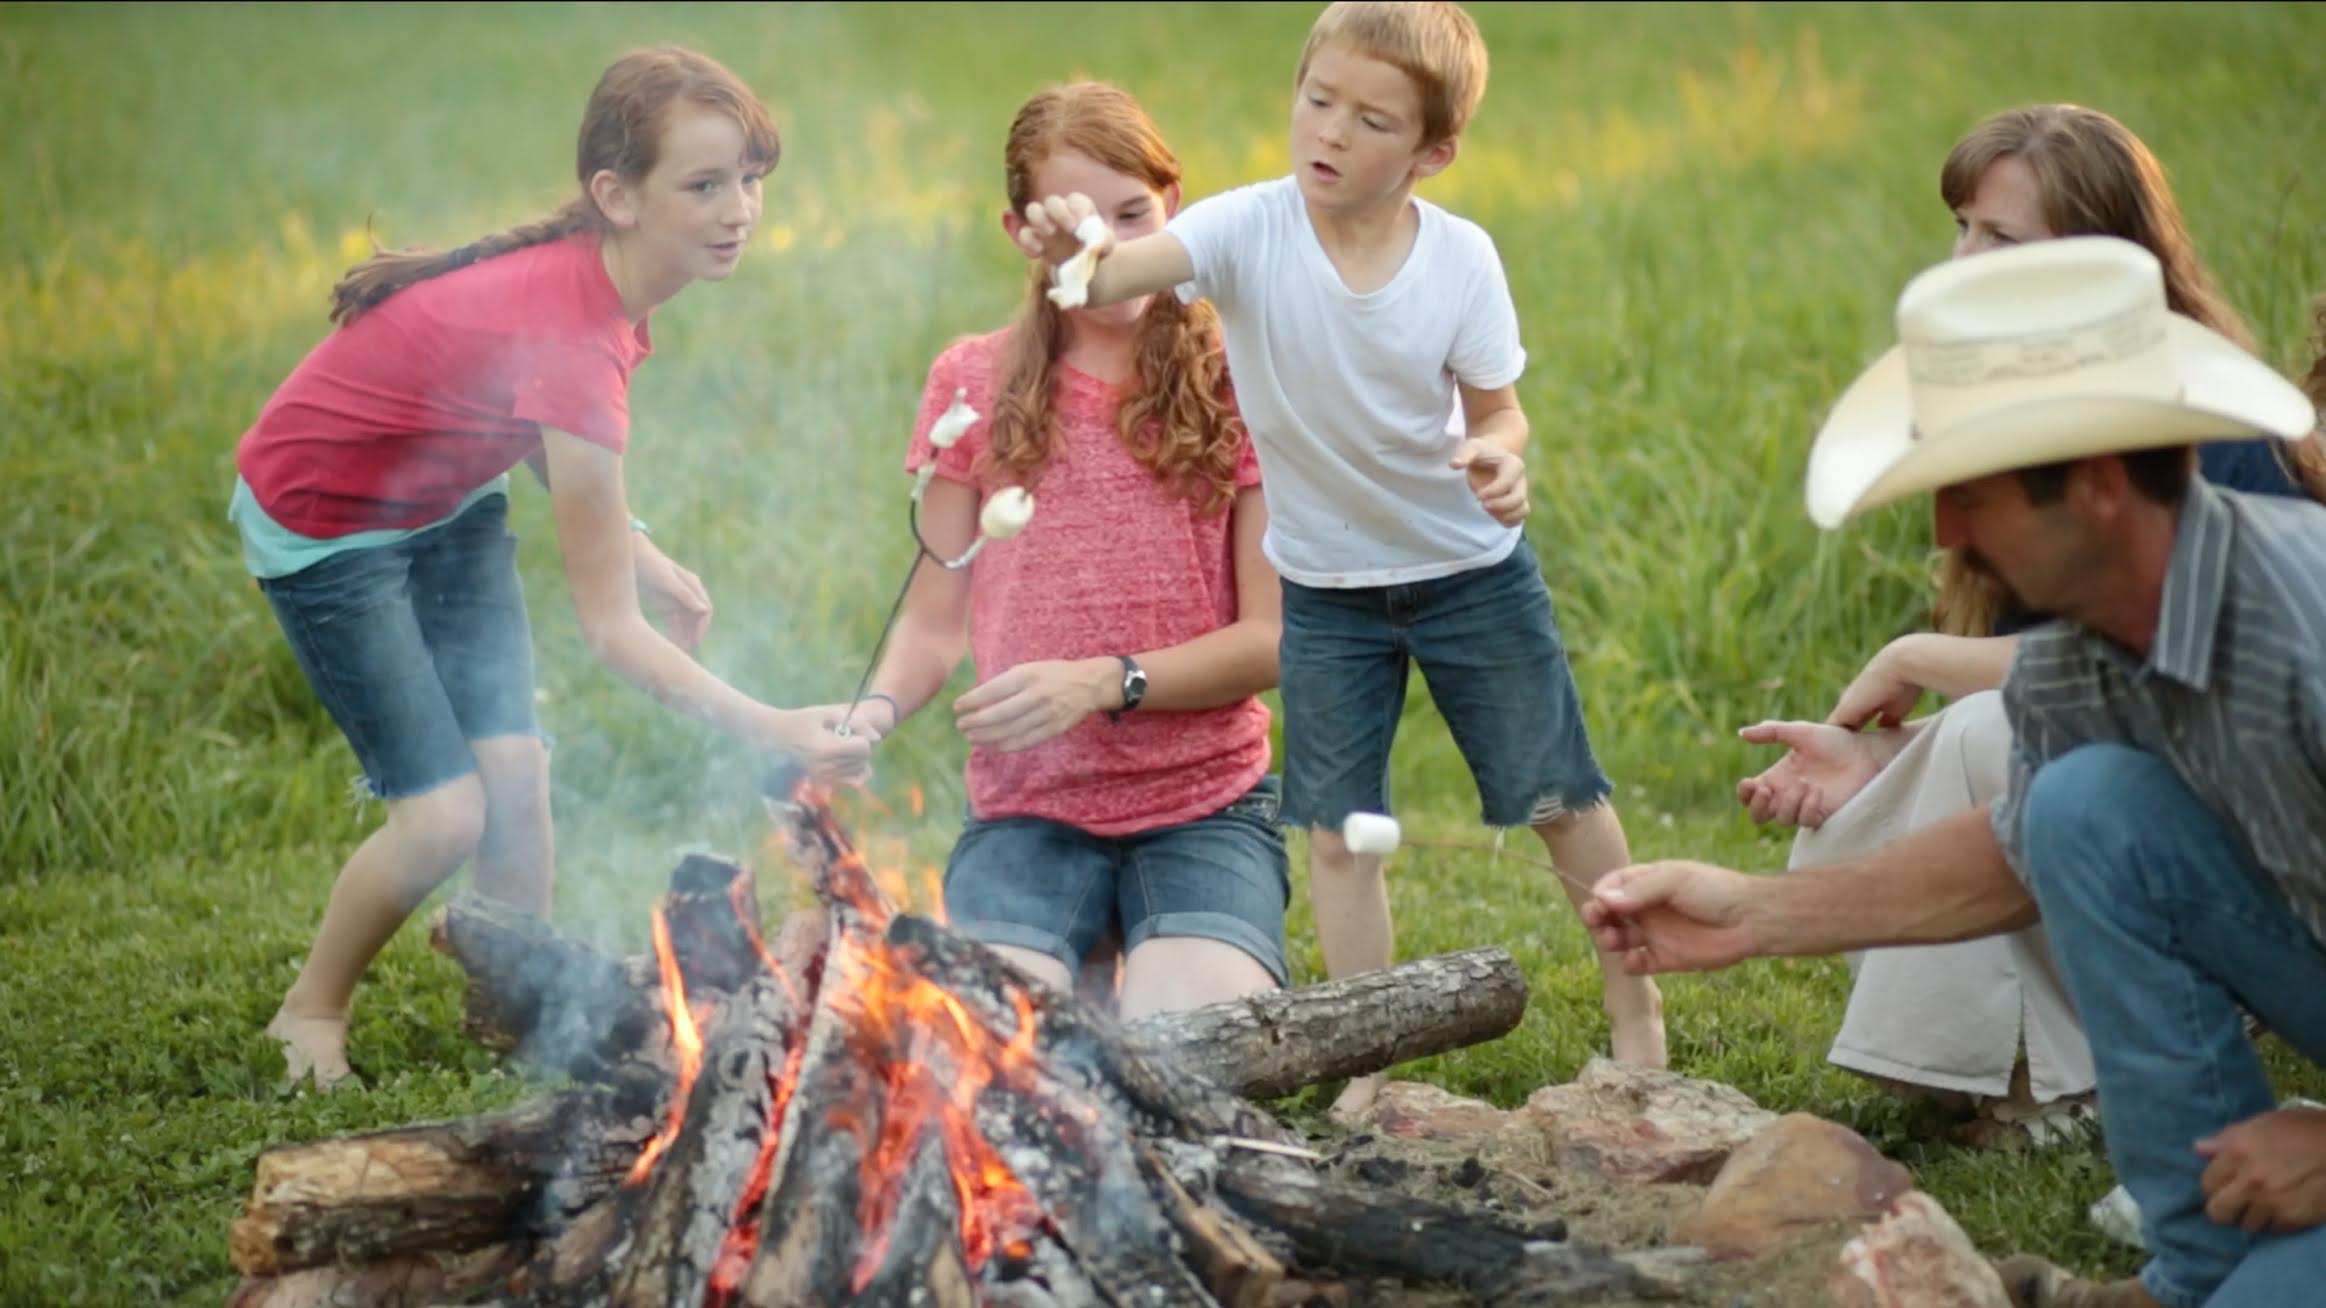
x: 443, y: 386
x: 1113, y: 563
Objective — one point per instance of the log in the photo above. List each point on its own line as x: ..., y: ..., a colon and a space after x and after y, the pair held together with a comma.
x: 440, y: 1186
x: 696, y: 1184
x: 805, y: 1227
x: 412, y: 1280
x: 919, y: 1263
x: 713, y: 914
x: 1238, y: 1271
x: 1336, y: 1225
x: 575, y: 1270
x: 548, y: 998
x: 1271, y: 1044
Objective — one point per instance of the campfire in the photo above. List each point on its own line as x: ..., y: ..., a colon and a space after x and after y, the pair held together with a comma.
x: 871, y: 1109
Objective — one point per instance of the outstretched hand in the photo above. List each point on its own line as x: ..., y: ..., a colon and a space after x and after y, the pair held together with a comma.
x: 1824, y: 767
x: 809, y: 737
x: 1673, y: 916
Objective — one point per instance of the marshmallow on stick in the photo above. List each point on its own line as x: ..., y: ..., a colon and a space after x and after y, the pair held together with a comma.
x: 949, y: 427
x: 1370, y: 833
x: 1005, y: 514
x: 1072, y: 290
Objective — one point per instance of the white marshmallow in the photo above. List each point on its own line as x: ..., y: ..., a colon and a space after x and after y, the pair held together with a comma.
x: 957, y: 419
x: 1072, y: 290
x: 1371, y: 833
x: 1006, y: 513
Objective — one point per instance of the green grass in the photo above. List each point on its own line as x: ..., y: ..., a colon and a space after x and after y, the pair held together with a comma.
x: 1706, y: 213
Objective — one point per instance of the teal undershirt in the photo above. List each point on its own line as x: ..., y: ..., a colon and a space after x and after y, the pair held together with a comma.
x: 270, y: 549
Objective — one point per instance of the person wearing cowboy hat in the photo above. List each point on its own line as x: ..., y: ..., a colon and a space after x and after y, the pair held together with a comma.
x: 2165, y: 816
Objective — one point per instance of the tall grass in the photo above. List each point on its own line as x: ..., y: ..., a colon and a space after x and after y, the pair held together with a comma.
x: 1706, y: 212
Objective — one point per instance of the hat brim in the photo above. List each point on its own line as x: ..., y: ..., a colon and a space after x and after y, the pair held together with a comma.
x: 1867, y: 454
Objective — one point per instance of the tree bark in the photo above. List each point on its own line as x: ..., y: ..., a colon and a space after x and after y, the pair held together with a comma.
x: 1272, y: 1044
x: 409, y: 1280
x: 443, y: 1186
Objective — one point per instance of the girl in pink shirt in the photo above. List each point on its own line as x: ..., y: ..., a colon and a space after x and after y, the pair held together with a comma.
x: 1118, y: 766
x: 372, y: 509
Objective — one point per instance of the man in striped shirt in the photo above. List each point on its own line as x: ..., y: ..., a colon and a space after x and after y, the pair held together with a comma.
x: 2166, y: 814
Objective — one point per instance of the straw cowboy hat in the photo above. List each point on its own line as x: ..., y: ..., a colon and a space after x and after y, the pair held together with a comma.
x: 2040, y: 353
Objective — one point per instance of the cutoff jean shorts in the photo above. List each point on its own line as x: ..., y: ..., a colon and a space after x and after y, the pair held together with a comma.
x: 416, y: 647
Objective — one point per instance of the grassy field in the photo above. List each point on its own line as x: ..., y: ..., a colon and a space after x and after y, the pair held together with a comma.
x: 1706, y: 212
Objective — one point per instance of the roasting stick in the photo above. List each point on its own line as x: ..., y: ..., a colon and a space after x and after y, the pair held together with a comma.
x: 1006, y: 513
x: 1379, y: 834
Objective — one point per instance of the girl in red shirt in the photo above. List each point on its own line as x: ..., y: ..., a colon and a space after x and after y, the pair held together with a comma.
x: 372, y: 509
x: 1118, y: 766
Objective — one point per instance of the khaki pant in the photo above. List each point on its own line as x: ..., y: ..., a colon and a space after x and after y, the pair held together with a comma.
x: 1950, y: 1017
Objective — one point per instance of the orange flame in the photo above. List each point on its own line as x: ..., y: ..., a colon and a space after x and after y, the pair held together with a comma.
x: 683, y: 1038
x: 935, y: 1059
x: 939, y: 1061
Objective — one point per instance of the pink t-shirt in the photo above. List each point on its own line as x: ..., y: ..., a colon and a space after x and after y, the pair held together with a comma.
x: 391, y: 420
x: 1113, y: 563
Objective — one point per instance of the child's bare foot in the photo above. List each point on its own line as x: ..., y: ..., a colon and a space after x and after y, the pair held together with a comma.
x: 1356, y: 1102
x: 312, y: 1046
x: 1635, y: 1021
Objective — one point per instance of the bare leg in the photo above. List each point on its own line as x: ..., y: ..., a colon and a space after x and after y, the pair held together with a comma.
x: 424, y: 841
x: 1043, y: 968
x: 1168, y: 973
x: 1349, y: 894
x: 1587, y: 846
x: 516, y: 857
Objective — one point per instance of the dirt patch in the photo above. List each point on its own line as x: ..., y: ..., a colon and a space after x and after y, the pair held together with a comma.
x: 1513, y: 1176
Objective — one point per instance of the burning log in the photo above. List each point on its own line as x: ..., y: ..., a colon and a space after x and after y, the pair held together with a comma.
x: 686, y: 1211
x: 546, y: 998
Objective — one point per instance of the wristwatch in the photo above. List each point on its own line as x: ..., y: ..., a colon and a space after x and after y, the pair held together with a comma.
x: 1134, y: 687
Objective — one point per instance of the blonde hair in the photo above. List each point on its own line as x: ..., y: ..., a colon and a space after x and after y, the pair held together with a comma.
x: 1437, y: 45
x: 621, y: 131
x: 1176, y: 417
x: 2093, y: 178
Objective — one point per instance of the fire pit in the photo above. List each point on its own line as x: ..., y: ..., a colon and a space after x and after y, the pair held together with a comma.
x: 875, y: 1110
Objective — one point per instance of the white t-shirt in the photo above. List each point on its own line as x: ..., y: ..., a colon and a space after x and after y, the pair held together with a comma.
x: 1348, y: 396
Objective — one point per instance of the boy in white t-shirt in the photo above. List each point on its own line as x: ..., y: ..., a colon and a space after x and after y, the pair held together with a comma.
x: 1353, y: 314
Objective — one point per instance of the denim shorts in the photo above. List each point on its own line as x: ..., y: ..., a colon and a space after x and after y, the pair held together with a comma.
x: 416, y: 647
x: 1057, y: 889
x: 1489, y: 649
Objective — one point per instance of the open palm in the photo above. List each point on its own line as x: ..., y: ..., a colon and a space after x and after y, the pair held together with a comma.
x: 1823, y: 768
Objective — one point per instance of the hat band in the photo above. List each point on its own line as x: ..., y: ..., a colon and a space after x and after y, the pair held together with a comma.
x: 2029, y: 356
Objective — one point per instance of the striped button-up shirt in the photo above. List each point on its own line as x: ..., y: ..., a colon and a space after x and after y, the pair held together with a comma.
x: 2233, y: 693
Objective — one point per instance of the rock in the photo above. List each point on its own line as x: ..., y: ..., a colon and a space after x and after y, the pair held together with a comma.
x: 1413, y: 1111
x: 1797, y: 1175
x: 1631, y: 1123
x: 1916, y: 1257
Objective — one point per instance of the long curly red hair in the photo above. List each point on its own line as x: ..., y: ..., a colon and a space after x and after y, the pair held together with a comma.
x: 1177, y: 417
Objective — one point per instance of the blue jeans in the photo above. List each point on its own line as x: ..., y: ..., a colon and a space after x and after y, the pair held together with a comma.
x: 2163, y: 923
x: 1488, y: 645
x: 1056, y: 889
